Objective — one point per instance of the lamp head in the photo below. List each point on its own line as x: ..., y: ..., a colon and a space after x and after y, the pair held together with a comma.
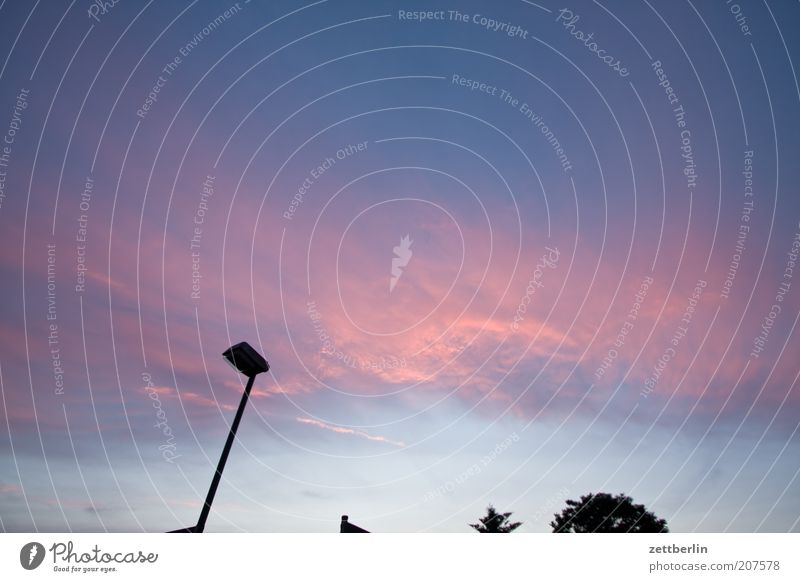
x: 244, y: 358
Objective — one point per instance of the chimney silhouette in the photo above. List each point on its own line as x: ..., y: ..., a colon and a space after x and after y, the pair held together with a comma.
x: 347, y: 527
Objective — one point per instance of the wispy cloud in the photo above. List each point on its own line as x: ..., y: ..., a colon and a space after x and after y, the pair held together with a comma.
x: 9, y: 488
x: 350, y: 431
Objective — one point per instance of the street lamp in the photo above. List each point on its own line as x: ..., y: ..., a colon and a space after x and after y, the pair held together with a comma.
x: 250, y: 363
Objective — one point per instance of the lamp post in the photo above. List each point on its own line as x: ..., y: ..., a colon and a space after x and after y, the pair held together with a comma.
x: 250, y: 363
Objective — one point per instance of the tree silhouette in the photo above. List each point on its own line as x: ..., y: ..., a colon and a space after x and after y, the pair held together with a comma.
x: 494, y: 522
x: 603, y: 512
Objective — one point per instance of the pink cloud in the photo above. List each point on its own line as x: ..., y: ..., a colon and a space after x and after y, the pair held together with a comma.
x: 349, y: 431
x: 9, y: 488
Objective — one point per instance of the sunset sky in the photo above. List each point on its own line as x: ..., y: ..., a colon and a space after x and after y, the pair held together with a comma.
x: 512, y: 253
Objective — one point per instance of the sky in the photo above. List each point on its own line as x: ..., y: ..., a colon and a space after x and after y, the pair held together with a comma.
x: 507, y: 253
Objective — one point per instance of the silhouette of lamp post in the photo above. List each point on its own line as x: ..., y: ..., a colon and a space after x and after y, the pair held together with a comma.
x: 250, y: 363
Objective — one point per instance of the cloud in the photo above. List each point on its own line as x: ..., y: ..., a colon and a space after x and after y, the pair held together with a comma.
x: 9, y: 488
x: 349, y: 431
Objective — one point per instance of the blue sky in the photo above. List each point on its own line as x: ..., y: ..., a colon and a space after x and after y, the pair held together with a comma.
x: 255, y: 167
